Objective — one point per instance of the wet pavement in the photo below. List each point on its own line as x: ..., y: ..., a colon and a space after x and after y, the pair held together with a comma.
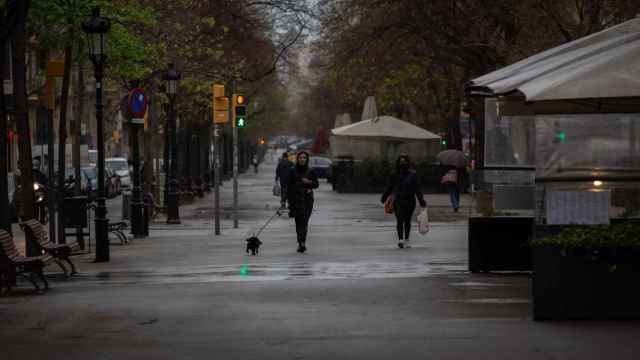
x: 183, y: 293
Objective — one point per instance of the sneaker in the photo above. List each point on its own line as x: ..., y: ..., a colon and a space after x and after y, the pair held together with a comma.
x: 401, y: 244
x: 407, y: 245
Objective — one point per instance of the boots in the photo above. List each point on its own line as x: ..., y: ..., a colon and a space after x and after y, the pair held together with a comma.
x: 301, y: 247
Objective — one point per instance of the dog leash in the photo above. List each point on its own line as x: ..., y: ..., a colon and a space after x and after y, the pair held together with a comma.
x: 277, y: 213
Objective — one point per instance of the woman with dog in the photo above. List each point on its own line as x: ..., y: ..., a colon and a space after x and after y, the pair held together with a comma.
x: 403, y: 189
x: 301, y: 182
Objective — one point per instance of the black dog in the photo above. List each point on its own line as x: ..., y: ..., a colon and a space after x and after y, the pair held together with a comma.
x: 253, y: 243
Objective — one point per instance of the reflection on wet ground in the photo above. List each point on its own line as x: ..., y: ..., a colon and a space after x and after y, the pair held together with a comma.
x: 265, y: 272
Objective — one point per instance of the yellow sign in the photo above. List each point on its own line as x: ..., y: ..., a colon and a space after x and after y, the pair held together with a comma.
x: 55, y: 68
x: 220, y: 105
x: 218, y: 91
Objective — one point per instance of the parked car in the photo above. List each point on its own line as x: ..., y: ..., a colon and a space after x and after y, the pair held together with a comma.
x: 92, y: 176
x: 121, y: 168
x: 321, y: 166
x: 93, y: 157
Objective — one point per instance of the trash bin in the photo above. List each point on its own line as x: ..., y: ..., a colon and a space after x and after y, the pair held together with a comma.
x: 75, y: 218
x: 126, y: 205
x: 75, y: 212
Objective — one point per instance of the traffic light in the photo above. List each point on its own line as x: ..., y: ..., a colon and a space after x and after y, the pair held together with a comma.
x: 239, y: 105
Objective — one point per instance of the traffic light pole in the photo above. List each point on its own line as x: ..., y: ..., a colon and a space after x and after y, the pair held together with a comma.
x: 235, y: 177
x: 216, y: 178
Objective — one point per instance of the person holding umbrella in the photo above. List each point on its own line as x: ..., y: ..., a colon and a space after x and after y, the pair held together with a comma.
x: 454, y: 160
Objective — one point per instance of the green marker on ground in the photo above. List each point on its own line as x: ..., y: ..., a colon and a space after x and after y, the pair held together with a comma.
x: 244, y: 270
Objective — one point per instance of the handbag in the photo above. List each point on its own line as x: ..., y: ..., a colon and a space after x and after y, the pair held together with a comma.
x: 389, y: 204
x: 276, y: 190
x: 451, y: 176
x: 423, y: 222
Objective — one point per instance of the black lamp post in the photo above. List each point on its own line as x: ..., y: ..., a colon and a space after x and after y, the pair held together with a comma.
x: 96, y: 29
x: 172, y: 77
x: 137, y: 205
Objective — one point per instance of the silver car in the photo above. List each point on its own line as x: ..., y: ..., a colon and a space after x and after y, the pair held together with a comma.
x: 121, y: 167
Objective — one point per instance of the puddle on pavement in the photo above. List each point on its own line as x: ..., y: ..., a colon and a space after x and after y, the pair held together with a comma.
x: 266, y: 272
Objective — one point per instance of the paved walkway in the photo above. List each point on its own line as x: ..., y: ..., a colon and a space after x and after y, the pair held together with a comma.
x: 183, y: 293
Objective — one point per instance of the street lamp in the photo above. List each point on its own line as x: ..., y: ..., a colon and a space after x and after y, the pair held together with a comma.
x: 172, y: 77
x: 96, y: 29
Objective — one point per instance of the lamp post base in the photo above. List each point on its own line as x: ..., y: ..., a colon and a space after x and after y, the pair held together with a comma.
x: 173, y: 214
x: 102, y: 237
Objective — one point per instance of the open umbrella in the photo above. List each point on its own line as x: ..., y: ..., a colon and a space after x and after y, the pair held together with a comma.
x: 452, y: 157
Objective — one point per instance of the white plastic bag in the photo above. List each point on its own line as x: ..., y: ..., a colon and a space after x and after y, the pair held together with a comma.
x: 276, y: 190
x: 423, y: 222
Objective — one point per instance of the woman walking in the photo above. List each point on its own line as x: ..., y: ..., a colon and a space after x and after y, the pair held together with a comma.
x: 450, y: 180
x: 302, y: 181
x: 403, y: 189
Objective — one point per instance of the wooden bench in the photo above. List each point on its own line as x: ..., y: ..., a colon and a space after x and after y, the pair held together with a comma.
x: 59, y: 252
x: 31, y: 265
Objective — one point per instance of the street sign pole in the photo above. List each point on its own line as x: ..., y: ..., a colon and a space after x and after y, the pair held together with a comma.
x: 220, y: 116
x: 52, y: 195
x: 235, y: 177
x: 216, y: 178
x: 137, y: 108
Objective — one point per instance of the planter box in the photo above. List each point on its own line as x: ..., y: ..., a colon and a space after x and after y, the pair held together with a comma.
x: 579, y: 285
x: 500, y: 243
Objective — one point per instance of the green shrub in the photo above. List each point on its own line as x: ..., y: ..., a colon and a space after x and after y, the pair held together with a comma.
x: 595, y: 238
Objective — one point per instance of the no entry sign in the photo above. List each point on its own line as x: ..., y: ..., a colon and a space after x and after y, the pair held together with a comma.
x: 138, y: 104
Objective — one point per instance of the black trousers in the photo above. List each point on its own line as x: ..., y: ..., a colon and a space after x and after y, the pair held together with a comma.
x: 302, y: 224
x: 404, y: 213
x: 283, y: 192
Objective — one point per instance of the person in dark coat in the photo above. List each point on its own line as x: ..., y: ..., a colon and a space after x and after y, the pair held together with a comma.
x: 302, y: 181
x: 404, y: 186
x: 282, y: 176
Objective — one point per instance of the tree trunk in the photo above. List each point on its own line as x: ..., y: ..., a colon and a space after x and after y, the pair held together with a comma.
x: 76, y: 132
x: 19, y: 40
x: 62, y: 140
x: 5, y: 224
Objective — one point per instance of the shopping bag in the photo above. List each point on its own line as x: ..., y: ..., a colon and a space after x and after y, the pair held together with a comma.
x: 389, y: 205
x: 276, y: 190
x: 423, y: 222
x: 451, y: 176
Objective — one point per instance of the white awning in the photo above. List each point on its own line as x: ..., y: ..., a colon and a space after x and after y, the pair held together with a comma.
x: 601, y: 65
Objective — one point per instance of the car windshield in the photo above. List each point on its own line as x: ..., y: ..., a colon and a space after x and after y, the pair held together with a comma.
x: 117, y: 165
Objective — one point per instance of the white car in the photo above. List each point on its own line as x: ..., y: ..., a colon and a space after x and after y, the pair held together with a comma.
x: 121, y: 167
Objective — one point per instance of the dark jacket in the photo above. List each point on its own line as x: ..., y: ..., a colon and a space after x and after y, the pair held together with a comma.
x: 282, y: 171
x: 405, y: 187
x: 300, y: 195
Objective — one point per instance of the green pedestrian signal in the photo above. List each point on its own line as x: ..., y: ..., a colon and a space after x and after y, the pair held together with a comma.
x: 562, y: 136
x: 239, y: 104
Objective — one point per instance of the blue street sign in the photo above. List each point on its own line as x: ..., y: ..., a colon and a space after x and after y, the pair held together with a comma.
x: 138, y: 104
